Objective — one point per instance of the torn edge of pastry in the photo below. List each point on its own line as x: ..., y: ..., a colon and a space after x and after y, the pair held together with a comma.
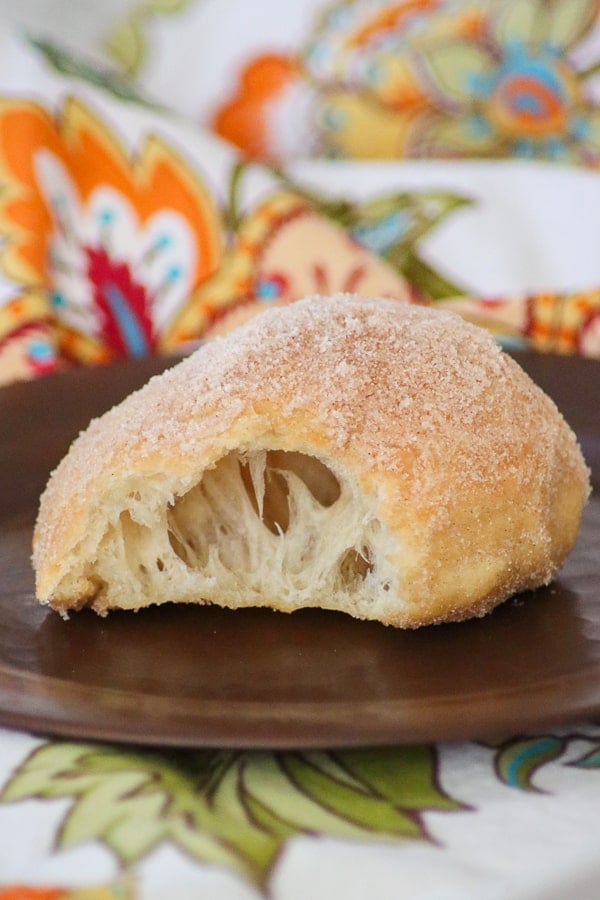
x: 365, y: 455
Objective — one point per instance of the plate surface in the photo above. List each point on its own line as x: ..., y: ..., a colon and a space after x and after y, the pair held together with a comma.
x: 202, y: 676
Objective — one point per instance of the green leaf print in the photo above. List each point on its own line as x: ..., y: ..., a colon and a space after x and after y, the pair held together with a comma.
x: 428, y: 282
x: 128, y: 42
x: 417, y: 790
x: 517, y: 761
x: 416, y: 214
x: 66, y: 63
x: 591, y: 760
x: 231, y: 808
x: 390, y: 226
x: 393, y: 226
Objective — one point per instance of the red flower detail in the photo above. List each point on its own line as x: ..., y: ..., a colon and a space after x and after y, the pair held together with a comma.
x: 321, y: 278
x: 354, y: 278
x: 351, y: 281
x: 124, y: 304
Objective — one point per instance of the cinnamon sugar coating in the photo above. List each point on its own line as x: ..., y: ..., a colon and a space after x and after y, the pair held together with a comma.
x: 470, y: 481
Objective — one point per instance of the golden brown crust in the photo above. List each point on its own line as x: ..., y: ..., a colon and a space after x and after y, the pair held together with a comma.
x: 470, y: 467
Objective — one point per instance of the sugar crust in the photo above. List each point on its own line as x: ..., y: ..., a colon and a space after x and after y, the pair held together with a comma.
x: 476, y: 478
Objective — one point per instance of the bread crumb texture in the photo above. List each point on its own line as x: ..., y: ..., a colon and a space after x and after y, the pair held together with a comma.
x: 367, y: 455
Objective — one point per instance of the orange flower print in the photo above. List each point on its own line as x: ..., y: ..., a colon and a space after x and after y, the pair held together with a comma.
x: 18, y: 892
x: 548, y: 322
x: 357, y: 45
x: 339, y: 94
x: 268, y: 116
x: 118, y: 891
x: 117, y: 240
x: 431, y: 78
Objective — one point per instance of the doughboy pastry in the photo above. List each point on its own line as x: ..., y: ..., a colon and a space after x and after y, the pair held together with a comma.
x: 370, y: 456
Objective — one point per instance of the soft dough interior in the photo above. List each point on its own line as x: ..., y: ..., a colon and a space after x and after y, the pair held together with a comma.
x: 261, y: 527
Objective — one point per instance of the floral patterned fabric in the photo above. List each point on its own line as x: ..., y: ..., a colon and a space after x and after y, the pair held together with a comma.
x: 420, y: 79
x: 476, y: 820
x: 128, y: 231
x: 113, y: 245
x: 170, y: 168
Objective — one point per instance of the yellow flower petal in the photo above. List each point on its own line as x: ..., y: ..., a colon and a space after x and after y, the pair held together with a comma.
x: 569, y: 20
x: 456, y: 67
x: 355, y: 126
x: 519, y: 21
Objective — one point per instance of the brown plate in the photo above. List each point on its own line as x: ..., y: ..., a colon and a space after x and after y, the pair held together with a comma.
x: 200, y: 676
